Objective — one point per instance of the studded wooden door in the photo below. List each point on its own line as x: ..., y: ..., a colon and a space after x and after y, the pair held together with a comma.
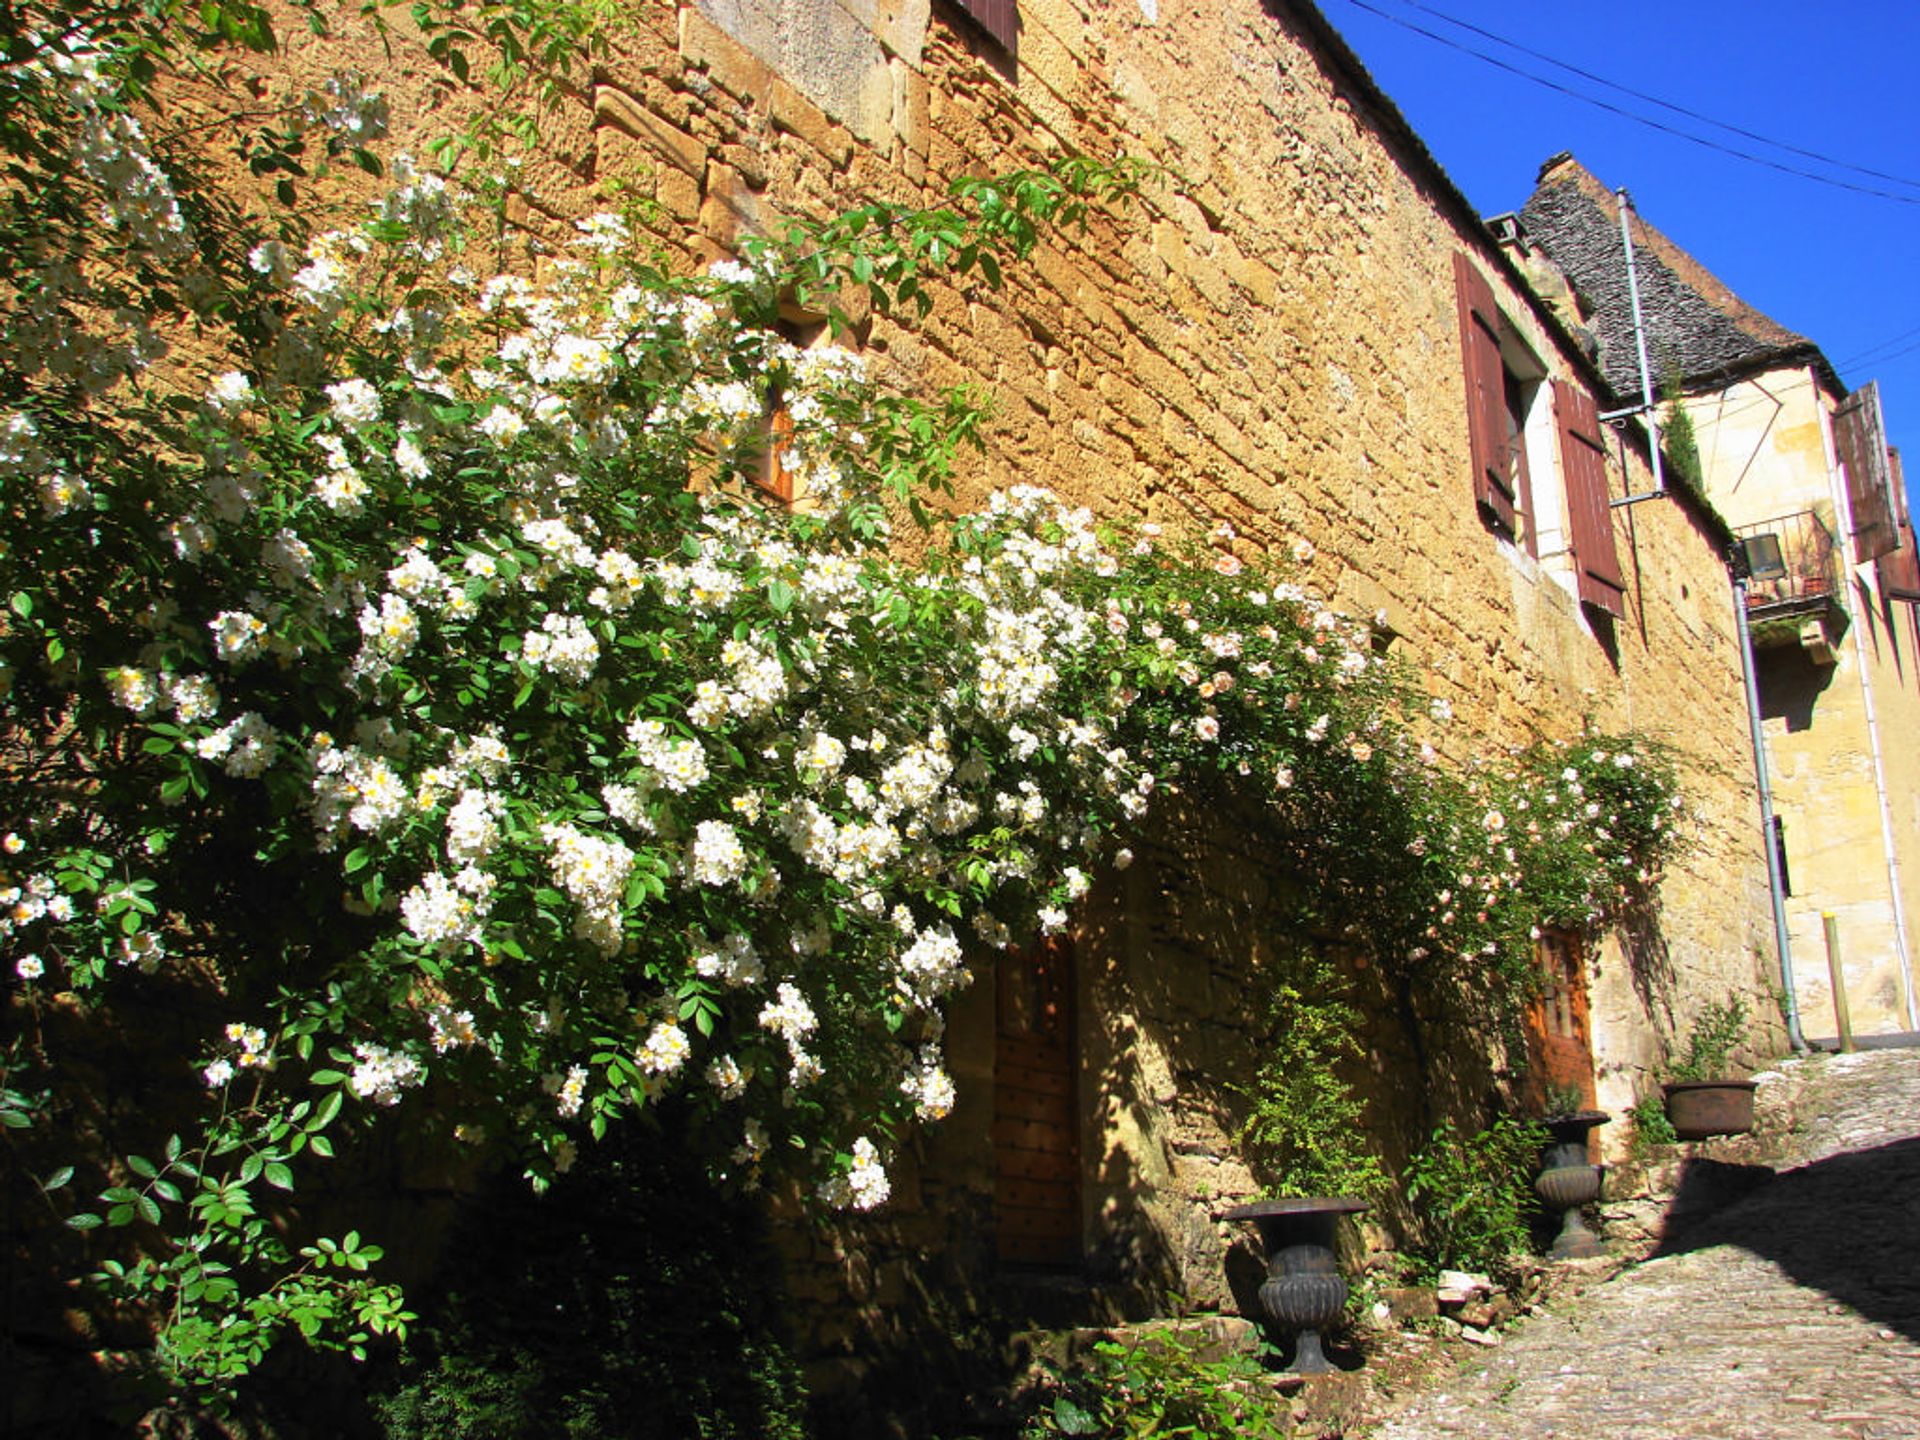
x: 1036, y: 1154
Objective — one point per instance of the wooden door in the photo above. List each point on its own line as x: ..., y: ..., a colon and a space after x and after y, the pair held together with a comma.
x: 1559, y: 1022
x: 1036, y: 1154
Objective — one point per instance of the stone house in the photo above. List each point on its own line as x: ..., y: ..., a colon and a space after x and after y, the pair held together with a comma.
x: 1308, y: 334
x: 1787, y: 450
x: 1305, y: 332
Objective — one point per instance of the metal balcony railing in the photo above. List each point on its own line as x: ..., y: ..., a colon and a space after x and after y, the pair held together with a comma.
x: 1811, y: 557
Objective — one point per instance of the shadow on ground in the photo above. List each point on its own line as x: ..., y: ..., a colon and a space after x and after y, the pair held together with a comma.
x: 1848, y: 1226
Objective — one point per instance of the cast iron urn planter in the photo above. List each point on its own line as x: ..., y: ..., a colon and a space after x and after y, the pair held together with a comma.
x: 1567, y: 1182
x: 1304, y: 1291
x: 1699, y: 1109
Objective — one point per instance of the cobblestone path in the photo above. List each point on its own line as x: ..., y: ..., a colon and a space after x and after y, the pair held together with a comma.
x: 1794, y: 1312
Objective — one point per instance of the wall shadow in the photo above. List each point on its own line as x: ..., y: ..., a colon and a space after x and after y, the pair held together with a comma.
x: 1790, y: 685
x: 1846, y: 1226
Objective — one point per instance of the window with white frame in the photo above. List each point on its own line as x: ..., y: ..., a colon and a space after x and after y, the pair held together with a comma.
x: 1539, y: 463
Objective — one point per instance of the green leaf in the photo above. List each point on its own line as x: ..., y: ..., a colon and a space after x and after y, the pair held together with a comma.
x: 1071, y: 1419
x: 278, y: 1175
x: 58, y: 1178
x: 83, y: 1221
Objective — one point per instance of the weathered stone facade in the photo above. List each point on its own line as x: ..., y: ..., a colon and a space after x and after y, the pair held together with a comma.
x: 1836, y: 651
x: 1269, y: 337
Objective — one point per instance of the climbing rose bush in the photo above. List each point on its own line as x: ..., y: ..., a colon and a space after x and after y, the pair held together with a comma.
x: 401, y: 651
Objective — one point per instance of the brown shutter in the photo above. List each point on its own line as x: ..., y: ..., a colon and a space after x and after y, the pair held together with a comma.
x: 1583, y: 463
x: 1860, y: 437
x: 997, y: 17
x: 1900, y: 567
x: 1486, y: 392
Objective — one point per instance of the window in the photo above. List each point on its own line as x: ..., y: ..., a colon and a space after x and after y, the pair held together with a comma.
x: 999, y: 18
x: 1512, y: 442
x: 773, y: 464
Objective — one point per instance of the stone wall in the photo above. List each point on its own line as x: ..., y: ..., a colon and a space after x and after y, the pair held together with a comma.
x: 1269, y: 337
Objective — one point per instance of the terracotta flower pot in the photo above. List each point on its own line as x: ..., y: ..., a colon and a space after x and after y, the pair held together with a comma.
x: 1304, y: 1291
x: 1698, y: 1109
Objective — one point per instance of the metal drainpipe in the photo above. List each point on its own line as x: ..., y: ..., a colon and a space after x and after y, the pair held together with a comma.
x: 1774, y: 885
x: 1640, y: 344
x: 1843, y: 507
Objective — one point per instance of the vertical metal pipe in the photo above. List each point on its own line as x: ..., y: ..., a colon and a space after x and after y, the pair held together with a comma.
x: 1837, y: 974
x: 1640, y: 344
x: 1774, y: 886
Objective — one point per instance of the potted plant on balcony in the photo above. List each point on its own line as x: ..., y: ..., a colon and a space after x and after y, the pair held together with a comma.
x: 1703, y: 1098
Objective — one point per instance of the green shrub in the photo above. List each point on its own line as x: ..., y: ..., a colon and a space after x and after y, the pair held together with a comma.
x: 1159, y: 1387
x: 629, y: 1301
x: 1473, y: 1193
x: 1306, y: 1132
x: 1650, y: 1124
x: 1717, y: 1029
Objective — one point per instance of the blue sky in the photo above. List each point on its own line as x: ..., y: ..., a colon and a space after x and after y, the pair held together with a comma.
x: 1841, y: 79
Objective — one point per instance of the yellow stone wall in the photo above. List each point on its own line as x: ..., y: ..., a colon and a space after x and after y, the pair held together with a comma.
x: 1269, y: 338
x: 1767, y: 452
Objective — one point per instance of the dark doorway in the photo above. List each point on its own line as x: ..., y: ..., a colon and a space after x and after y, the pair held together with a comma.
x: 1036, y: 1154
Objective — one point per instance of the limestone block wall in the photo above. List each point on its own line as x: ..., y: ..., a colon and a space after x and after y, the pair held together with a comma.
x: 1268, y: 336
x: 1270, y: 339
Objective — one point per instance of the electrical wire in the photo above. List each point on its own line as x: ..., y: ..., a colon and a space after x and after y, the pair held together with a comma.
x: 1871, y: 355
x: 1677, y: 109
x: 1636, y: 118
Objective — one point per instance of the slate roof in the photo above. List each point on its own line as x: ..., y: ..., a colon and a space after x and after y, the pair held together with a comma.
x: 1693, y: 321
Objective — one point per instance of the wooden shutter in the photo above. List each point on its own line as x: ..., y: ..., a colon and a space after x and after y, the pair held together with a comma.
x: 1860, y: 437
x: 999, y: 18
x: 770, y: 472
x: 1583, y: 464
x: 1900, y: 569
x: 1486, y: 392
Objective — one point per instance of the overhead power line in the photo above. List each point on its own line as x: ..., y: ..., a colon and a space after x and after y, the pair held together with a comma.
x: 1677, y: 109
x: 1637, y: 118
x: 1873, y: 354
